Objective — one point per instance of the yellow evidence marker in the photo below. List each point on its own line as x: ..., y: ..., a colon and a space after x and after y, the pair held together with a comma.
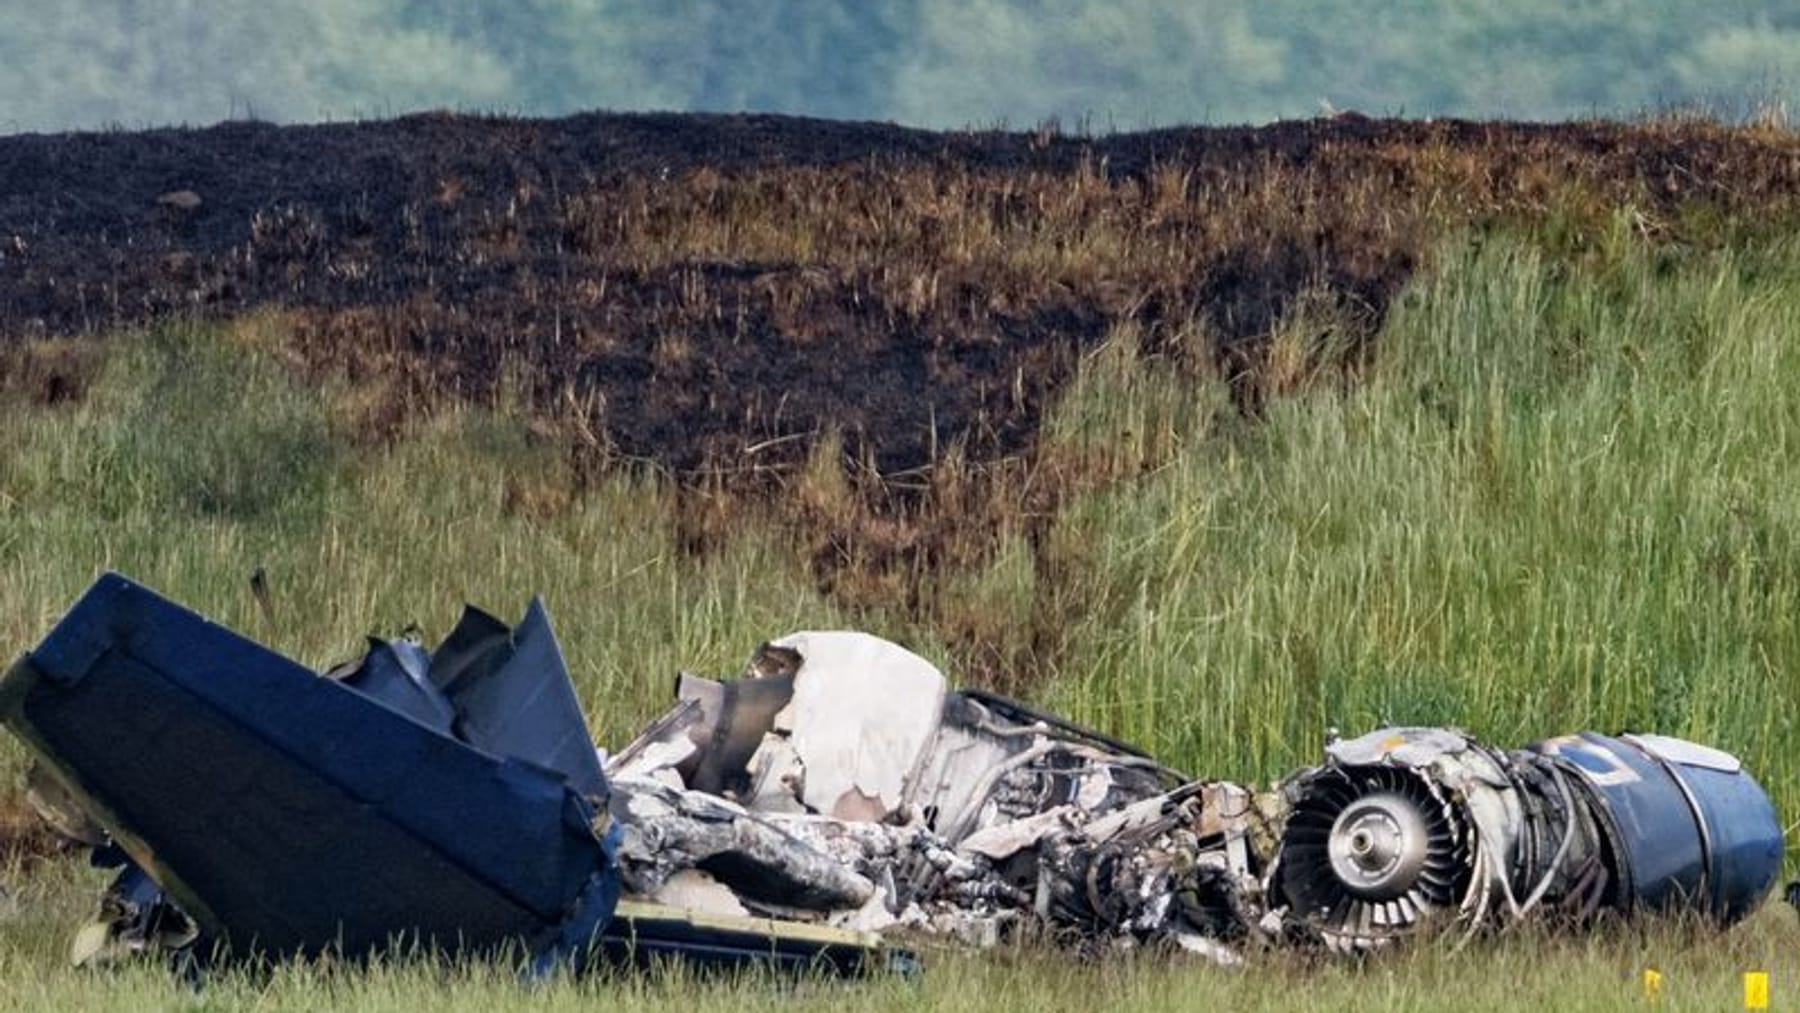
x: 1756, y: 990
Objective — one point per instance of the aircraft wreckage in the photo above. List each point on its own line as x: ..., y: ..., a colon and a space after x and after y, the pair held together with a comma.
x: 836, y: 797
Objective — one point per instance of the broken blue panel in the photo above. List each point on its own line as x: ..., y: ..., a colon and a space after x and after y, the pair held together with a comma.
x: 398, y: 673
x: 288, y: 813
x: 512, y: 695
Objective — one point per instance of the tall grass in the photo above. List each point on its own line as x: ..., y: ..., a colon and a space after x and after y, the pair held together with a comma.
x: 1556, y: 495
x: 1559, y: 497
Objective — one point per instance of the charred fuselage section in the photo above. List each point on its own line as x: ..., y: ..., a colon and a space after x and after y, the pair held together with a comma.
x: 961, y: 813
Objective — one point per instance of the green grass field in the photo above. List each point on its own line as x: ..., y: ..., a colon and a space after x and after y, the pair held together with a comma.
x: 1558, y: 494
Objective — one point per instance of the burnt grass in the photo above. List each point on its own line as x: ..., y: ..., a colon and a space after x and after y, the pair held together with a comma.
x: 724, y: 298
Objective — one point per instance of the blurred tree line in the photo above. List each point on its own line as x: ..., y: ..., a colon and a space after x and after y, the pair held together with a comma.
x: 1105, y: 64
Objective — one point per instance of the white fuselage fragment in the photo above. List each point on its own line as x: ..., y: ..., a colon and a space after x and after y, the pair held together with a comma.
x: 862, y: 713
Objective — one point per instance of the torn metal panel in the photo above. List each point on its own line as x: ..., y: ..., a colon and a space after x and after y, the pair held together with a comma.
x: 1019, y: 713
x: 512, y: 695
x: 951, y: 787
x: 501, y: 689
x: 663, y: 749
x: 1002, y: 841
x: 288, y: 813
x: 736, y: 716
x: 777, y: 776
x: 398, y: 674
x: 985, y: 768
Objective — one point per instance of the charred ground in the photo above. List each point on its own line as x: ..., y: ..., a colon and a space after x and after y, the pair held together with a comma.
x: 721, y: 297
x: 706, y: 284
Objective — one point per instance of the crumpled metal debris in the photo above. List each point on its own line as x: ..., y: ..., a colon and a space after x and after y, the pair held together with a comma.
x: 964, y: 813
x: 838, y: 787
x: 985, y: 815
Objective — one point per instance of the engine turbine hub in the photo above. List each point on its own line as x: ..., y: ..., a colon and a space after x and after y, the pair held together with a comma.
x: 1378, y: 846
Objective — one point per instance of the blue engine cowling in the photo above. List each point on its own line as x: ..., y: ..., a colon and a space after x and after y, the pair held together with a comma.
x: 1690, y: 829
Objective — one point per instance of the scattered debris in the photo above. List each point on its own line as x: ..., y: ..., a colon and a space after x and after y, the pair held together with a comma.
x: 836, y: 790
x: 976, y: 814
